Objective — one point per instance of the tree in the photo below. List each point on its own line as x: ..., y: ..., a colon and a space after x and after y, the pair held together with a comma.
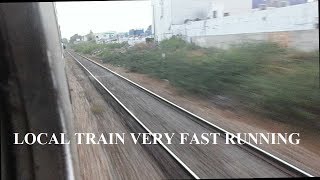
x: 64, y: 41
x: 90, y: 36
x: 74, y: 38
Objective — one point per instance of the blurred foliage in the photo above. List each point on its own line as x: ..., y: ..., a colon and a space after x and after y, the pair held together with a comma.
x: 265, y: 78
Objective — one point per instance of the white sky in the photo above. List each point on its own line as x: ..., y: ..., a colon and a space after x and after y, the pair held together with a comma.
x: 99, y: 16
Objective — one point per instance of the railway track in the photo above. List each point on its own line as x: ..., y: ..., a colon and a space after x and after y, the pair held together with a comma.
x: 156, y: 114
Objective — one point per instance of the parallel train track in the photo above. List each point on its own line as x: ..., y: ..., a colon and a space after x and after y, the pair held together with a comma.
x: 247, y: 150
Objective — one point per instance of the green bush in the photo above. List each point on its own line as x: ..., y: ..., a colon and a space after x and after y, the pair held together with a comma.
x: 176, y: 43
x: 91, y: 47
x: 267, y: 79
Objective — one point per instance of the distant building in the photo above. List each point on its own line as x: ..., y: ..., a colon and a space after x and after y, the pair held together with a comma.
x: 136, y: 32
x: 85, y: 38
x: 131, y: 32
x: 122, y: 34
x: 105, y: 37
x: 148, y: 32
x: 88, y: 37
x: 78, y: 40
x: 263, y: 4
x: 75, y: 39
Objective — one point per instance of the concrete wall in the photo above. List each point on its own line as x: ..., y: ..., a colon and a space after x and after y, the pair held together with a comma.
x: 306, y: 40
x: 289, y: 25
x: 161, y: 19
x: 250, y: 24
x: 275, y: 3
x: 291, y: 18
x: 172, y: 12
x: 233, y: 7
x: 189, y: 9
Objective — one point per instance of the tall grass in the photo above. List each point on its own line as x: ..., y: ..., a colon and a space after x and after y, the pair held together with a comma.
x: 264, y: 77
x: 92, y: 47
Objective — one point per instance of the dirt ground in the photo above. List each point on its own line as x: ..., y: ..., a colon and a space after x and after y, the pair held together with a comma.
x: 306, y: 155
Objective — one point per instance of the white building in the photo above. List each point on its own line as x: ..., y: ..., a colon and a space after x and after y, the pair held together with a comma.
x: 174, y: 12
x: 85, y: 38
x: 190, y: 18
x: 223, y: 23
x: 105, y: 37
x: 222, y: 8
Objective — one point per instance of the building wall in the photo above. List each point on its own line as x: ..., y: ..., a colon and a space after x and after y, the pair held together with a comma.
x: 292, y: 26
x: 306, y: 40
x: 174, y: 12
x: 274, y: 3
x: 242, y: 19
x: 189, y: 9
x: 161, y: 19
x: 291, y: 18
x: 233, y: 7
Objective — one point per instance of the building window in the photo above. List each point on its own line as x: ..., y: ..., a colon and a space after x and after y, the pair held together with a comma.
x: 214, y: 14
x: 226, y: 14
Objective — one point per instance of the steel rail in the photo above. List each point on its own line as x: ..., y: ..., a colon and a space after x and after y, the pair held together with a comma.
x: 175, y: 157
x: 262, y: 152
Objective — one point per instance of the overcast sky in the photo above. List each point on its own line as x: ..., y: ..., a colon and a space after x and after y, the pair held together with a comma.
x: 99, y: 16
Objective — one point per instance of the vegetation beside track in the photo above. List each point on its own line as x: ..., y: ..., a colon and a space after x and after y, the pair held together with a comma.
x: 265, y: 78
